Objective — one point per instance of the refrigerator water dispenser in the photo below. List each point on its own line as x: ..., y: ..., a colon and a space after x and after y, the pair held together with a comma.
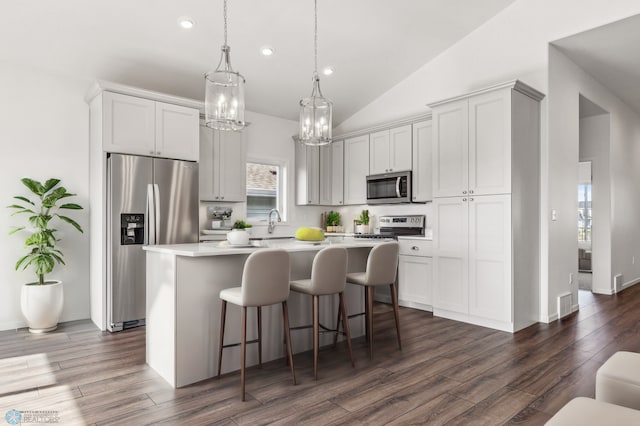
x: 131, y: 228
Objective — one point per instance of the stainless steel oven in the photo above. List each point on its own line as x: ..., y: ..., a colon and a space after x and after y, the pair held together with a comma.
x: 389, y: 188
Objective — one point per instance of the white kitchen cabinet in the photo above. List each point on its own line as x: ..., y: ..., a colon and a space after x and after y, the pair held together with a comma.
x: 390, y: 150
x: 422, y: 170
x: 486, y: 151
x: 332, y: 174
x: 356, y: 169
x: 138, y: 126
x: 307, y: 175
x: 472, y: 145
x: 415, y: 281
x: 472, y: 264
x: 473, y: 256
x: 223, y: 173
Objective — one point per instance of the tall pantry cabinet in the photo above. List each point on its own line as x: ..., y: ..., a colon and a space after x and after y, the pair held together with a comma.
x: 486, y: 158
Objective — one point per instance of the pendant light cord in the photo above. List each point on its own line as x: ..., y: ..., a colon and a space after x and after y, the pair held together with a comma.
x: 225, y: 22
x: 315, y: 40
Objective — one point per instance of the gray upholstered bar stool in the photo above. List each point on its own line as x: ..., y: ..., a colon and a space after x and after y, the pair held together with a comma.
x: 265, y: 281
x: 382, y: 267
x: 328, y: 277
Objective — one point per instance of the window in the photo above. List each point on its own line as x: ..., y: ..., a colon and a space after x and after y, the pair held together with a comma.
x: 265, y: 190
x: 584, y: 212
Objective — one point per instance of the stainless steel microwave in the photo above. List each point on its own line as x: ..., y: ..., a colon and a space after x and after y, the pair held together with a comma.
x: 389, y: 188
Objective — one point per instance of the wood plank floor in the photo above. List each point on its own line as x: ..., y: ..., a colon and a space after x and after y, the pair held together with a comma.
x: 447, y: 373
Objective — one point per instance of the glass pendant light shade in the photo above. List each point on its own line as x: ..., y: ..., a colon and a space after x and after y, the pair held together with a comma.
x: 315, y: 111
x: 224, y: 92
x: 224, y: 96
x: 315, y: 117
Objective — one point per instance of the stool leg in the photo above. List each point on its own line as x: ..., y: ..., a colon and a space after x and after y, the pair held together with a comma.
x: 367, y: 332
x: 223, y: 316
x: 335, y: 336
x: 370, y: 292
x: 396, y: 311
x: 244, y: 348
x: 345, y: 320
x: 316, y: 333
x: 287, y: 337
x: 259, y: 308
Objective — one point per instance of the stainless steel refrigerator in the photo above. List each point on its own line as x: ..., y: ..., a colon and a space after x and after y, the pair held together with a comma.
x: 149, y: 201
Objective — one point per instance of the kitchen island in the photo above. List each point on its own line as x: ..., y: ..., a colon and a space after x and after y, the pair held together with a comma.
x: 183, y: 306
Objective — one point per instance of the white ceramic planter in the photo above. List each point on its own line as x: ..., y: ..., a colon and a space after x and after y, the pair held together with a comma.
x: 362, y: 229
x: 238, y: 237
x: 42, y: 305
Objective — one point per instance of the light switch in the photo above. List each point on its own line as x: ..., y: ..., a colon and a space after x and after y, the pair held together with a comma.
x: 554, y: 215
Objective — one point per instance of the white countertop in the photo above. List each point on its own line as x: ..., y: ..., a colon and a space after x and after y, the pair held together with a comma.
x: 222, y: 248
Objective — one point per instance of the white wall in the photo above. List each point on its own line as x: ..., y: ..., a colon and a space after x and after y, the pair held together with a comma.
x: 512, y: 45
x: 44, y: 124
x: 594, y: 147
x: 567, y: 82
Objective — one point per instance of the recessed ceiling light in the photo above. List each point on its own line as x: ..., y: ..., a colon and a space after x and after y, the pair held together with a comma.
x: 186, y: 22
x: 267, y: 50
x: 328, y: 70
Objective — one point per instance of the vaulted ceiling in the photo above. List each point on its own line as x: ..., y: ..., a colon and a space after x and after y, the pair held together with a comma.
x: 371, y: 44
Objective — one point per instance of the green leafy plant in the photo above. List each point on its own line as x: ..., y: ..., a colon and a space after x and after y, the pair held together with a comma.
x: 333, y: 218
x: 364, y: 218
x: 241, y: 224
x: 41, y: 210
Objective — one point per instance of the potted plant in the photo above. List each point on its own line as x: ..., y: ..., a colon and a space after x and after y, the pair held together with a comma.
x: 42, y: 301
x: 333, y: 221
x: 238, y: 236
x: 362, y: 223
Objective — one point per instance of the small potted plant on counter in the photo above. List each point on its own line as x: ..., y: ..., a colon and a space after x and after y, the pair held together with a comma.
x: 362, y: 223
x: 333, y: 221
x: 238, y: 236
x: 42, y: 301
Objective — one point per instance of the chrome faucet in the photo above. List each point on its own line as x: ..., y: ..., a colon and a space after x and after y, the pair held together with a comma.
x: 272, y: 223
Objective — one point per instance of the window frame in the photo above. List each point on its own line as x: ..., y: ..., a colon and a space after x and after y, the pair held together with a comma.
x: 283, y: 189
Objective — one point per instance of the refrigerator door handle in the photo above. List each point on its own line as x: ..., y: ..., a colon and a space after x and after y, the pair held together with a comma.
x: 156, y: 213
x: 151, y: 216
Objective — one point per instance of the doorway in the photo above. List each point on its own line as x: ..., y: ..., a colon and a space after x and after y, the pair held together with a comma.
x: 594, y: 195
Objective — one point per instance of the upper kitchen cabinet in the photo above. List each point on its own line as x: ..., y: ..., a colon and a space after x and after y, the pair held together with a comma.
x: 422, y: 181
x: 332, y: 174
x: 140, y: 126
x: 307, y: 175
x: 223, y: 175
x: 356, y: 169
x: 473, y: 139
x: 390, y: 150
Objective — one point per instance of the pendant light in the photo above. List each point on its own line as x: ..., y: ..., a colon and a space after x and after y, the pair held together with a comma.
x: 224, y: 92
x: 315, y: 111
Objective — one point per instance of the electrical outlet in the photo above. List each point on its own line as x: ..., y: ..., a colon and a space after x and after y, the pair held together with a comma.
x: 554, y: 214
x: 570, y: 278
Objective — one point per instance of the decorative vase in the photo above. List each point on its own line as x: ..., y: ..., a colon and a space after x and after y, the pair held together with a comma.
x: 238, y: 237
x: 42, y: 305
x: 362, y: 229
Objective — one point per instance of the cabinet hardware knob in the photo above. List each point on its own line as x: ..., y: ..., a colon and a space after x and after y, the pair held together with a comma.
x: 416, y: 248
x: 470, y: 191
x: 222, y: 198
x: 464, y: 199
x: 464, y: 192
x: 470, y: 199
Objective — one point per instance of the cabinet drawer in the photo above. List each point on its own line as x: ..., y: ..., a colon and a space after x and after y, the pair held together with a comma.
x: 415, y: 247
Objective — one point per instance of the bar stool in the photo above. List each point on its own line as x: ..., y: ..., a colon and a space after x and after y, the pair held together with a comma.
x: 265, y: 281
x: 382, y: 267
x: 328, y: 277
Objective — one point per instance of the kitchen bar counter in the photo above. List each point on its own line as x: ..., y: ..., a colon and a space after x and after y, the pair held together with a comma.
x: 183, y: 306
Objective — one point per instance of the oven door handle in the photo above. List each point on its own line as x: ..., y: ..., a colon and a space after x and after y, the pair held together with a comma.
x: 398, y: 186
